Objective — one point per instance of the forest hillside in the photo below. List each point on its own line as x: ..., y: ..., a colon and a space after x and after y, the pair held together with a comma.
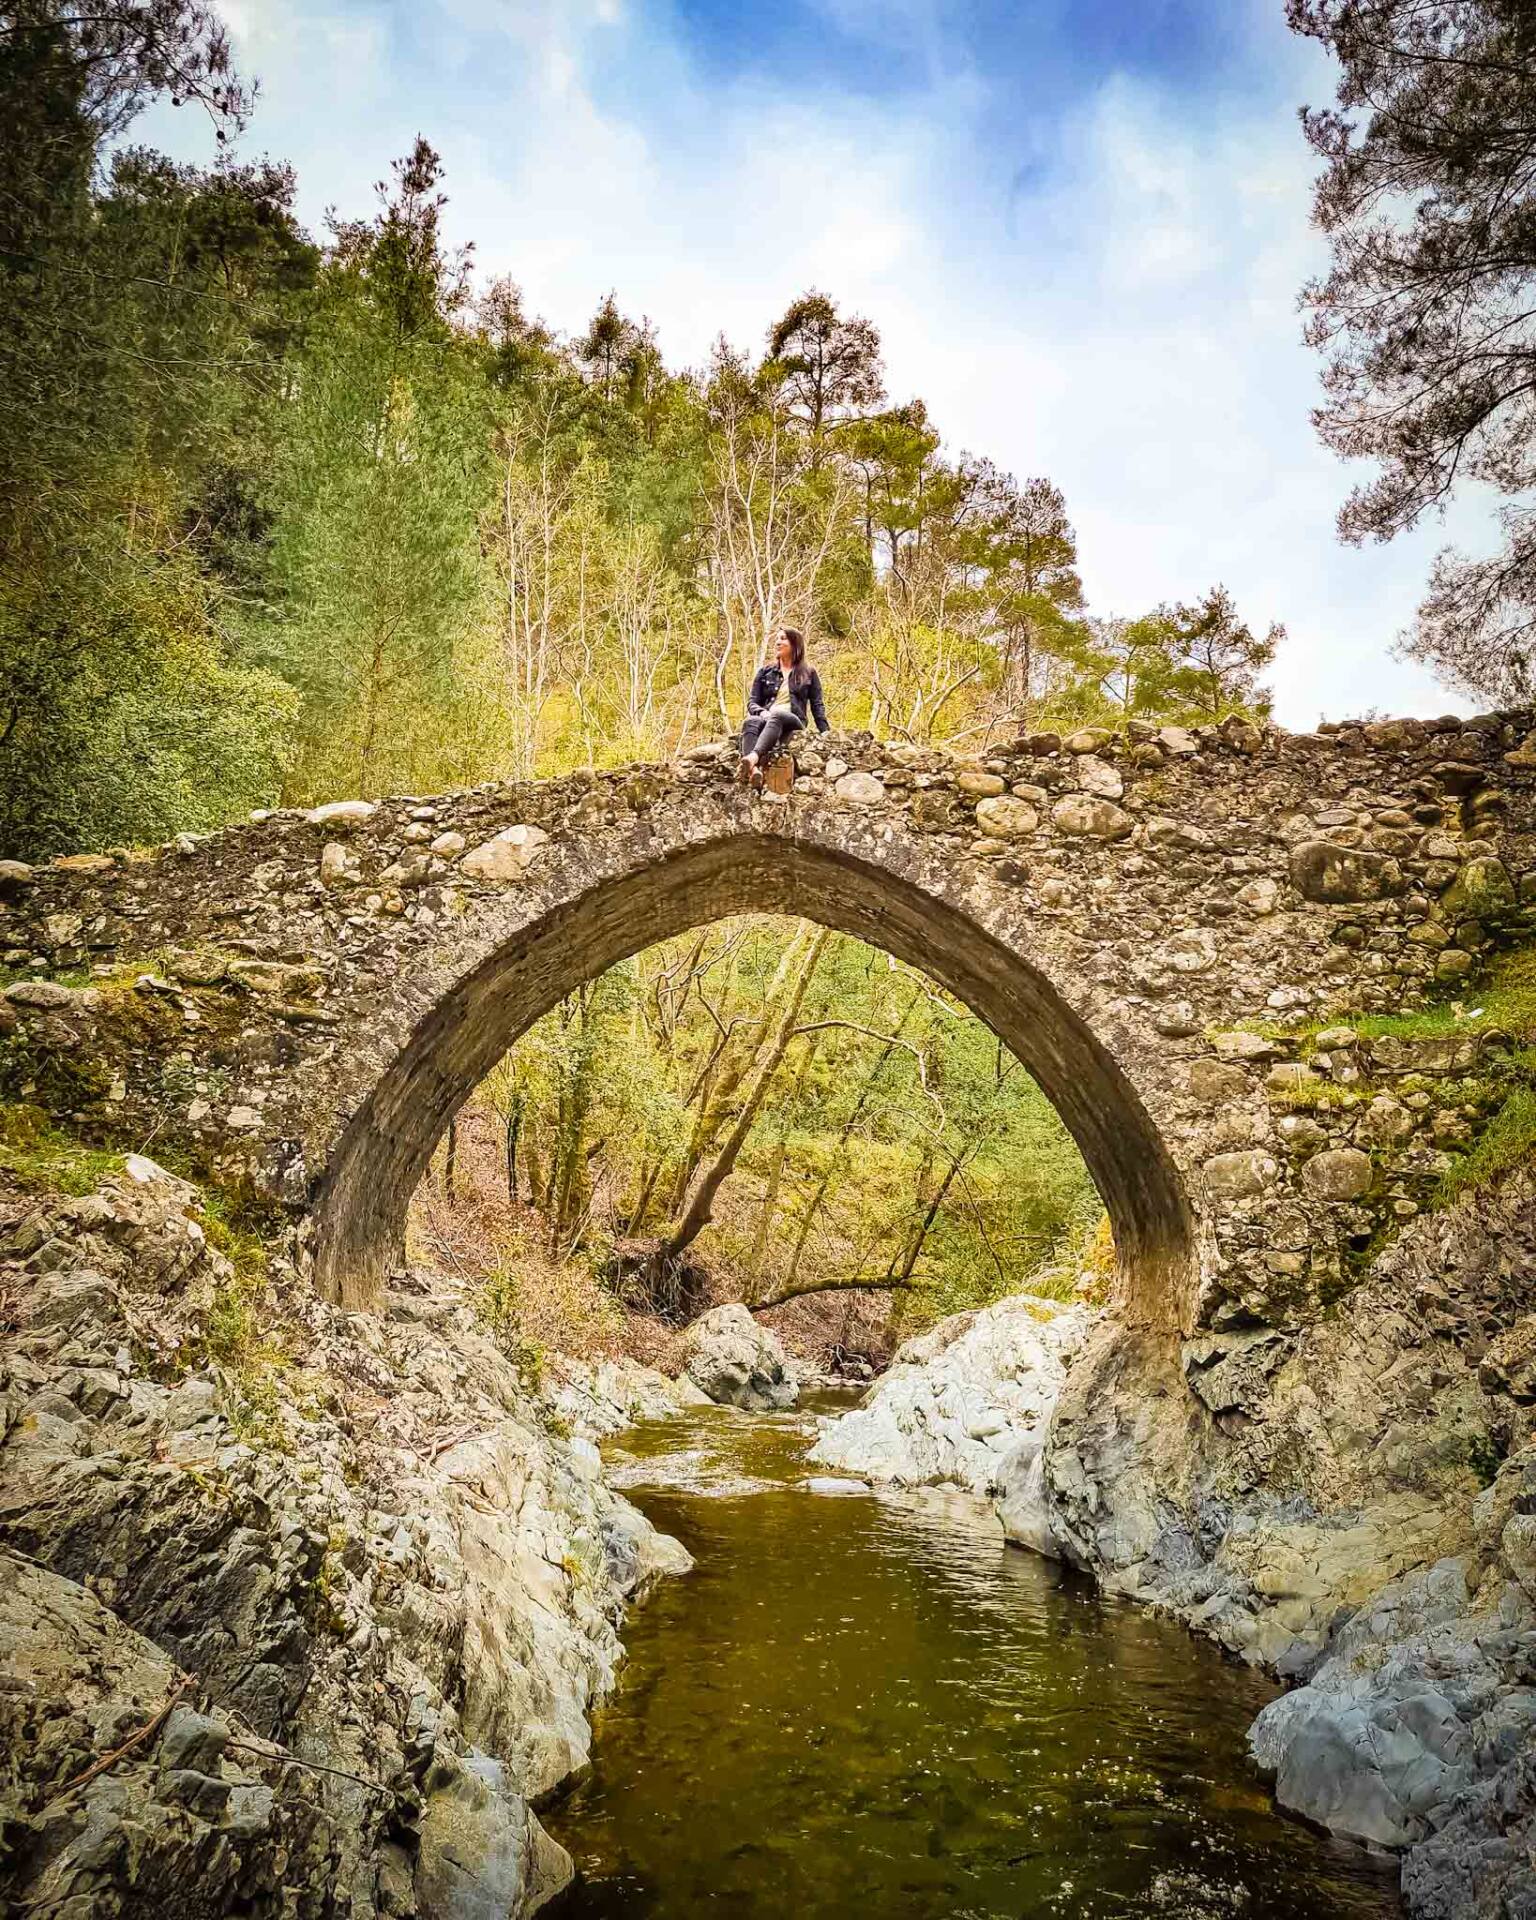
x: 290, y: 516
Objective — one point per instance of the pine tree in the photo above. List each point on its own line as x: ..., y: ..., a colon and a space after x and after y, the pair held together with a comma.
x: 1428, y: 197
x: 383, y: 476
x: 829, y: 366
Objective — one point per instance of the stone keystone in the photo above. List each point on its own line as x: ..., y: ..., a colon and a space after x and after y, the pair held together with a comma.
x: 506, y: 856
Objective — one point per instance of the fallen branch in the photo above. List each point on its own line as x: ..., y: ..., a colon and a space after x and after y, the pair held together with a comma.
x: 286, y: 1759
x: 450, y: 1440
x: 885, y: 1284
x: 146, y: 1732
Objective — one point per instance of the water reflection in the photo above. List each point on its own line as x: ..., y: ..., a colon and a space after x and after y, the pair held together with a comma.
x: 871, y: 1706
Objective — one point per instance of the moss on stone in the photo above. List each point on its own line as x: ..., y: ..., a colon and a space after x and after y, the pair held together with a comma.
x: 62, y: 1080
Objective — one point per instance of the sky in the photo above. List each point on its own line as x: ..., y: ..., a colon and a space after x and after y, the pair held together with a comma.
x: 1081, y: 227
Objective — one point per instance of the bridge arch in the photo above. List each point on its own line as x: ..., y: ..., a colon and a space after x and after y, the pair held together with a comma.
x: 360, y: 1210
x: 1162, y: 929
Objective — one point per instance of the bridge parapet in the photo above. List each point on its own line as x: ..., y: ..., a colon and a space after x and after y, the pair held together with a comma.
x: 1187, y: 937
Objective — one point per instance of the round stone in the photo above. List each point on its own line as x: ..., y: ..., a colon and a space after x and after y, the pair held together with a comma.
x: 1191, y: 951
x: 341, y: 813
x: 1099, y: 819
x: 975, y: 781
x: 1005, y: 818
x: 860, y: 789
x: 1340, y: 1173
x: 1241, y: 1175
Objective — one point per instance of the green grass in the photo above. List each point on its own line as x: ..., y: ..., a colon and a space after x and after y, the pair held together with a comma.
x: 1508, y: 1141
x: 38, y: 1157
x: 1505, y: 998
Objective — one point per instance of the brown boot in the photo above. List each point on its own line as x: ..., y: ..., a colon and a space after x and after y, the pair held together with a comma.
x: 744, y: 771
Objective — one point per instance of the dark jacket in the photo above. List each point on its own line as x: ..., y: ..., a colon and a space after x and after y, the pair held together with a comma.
x: 765, y: 690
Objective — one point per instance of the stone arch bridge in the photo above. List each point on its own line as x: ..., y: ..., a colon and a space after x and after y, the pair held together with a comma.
x: 1172, y: 930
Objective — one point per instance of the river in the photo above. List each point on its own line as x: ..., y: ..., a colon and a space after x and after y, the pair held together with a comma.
x: 866, y: 1704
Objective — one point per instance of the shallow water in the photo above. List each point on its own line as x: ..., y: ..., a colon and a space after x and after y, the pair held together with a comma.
x: 866, y: 1704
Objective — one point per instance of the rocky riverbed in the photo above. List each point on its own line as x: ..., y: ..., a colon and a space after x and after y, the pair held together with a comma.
x: 1352, y: 1508
x: 310, y: 1609
x: 301, y: 1612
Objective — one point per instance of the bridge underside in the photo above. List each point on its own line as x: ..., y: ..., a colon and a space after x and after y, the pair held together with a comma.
x: 359, y: 1219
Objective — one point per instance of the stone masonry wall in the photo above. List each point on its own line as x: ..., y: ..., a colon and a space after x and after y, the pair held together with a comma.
x: 1172, y: 929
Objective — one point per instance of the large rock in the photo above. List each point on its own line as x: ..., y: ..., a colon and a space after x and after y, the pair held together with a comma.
x: 506, y: 856
x: 969, y: 1405
x: 182, y: 1809
x: 483, y: 1853
x: 1385, y: 1732
x: 397, y: 1559
x: 1335, y: 875
x: 738, y: 1363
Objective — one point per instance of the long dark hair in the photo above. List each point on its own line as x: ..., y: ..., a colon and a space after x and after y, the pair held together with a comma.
x: 799, y: 672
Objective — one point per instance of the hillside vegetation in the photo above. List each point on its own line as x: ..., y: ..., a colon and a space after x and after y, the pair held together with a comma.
x: 288, y: 516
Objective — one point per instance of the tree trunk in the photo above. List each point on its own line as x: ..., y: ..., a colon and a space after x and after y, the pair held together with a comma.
x: 859, y: 1284
x: 813, y: 1206
x: 514, y: 1125
x: 733, y: 1067
x: 699, y: 1202
x: 770, y: 1204
x: 905, y: 1276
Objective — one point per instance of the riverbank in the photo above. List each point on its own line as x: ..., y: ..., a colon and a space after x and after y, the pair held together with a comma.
x: 302, y: 1610
x: 1348, y: 1508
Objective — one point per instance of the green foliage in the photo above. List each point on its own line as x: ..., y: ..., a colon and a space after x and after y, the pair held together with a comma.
x: 498, y: 1306
x: 236, y: 1334
x: 374, y: 569
x: 895, y: 1142
x: 136, y: 325
x: 1503, y: 1087
x: 287, y: 520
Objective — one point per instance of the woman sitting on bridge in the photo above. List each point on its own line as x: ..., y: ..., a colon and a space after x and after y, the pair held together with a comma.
x: 782, y: 692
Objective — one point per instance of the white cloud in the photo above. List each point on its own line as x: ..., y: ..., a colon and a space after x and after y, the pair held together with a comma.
x: 1127, y: 326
